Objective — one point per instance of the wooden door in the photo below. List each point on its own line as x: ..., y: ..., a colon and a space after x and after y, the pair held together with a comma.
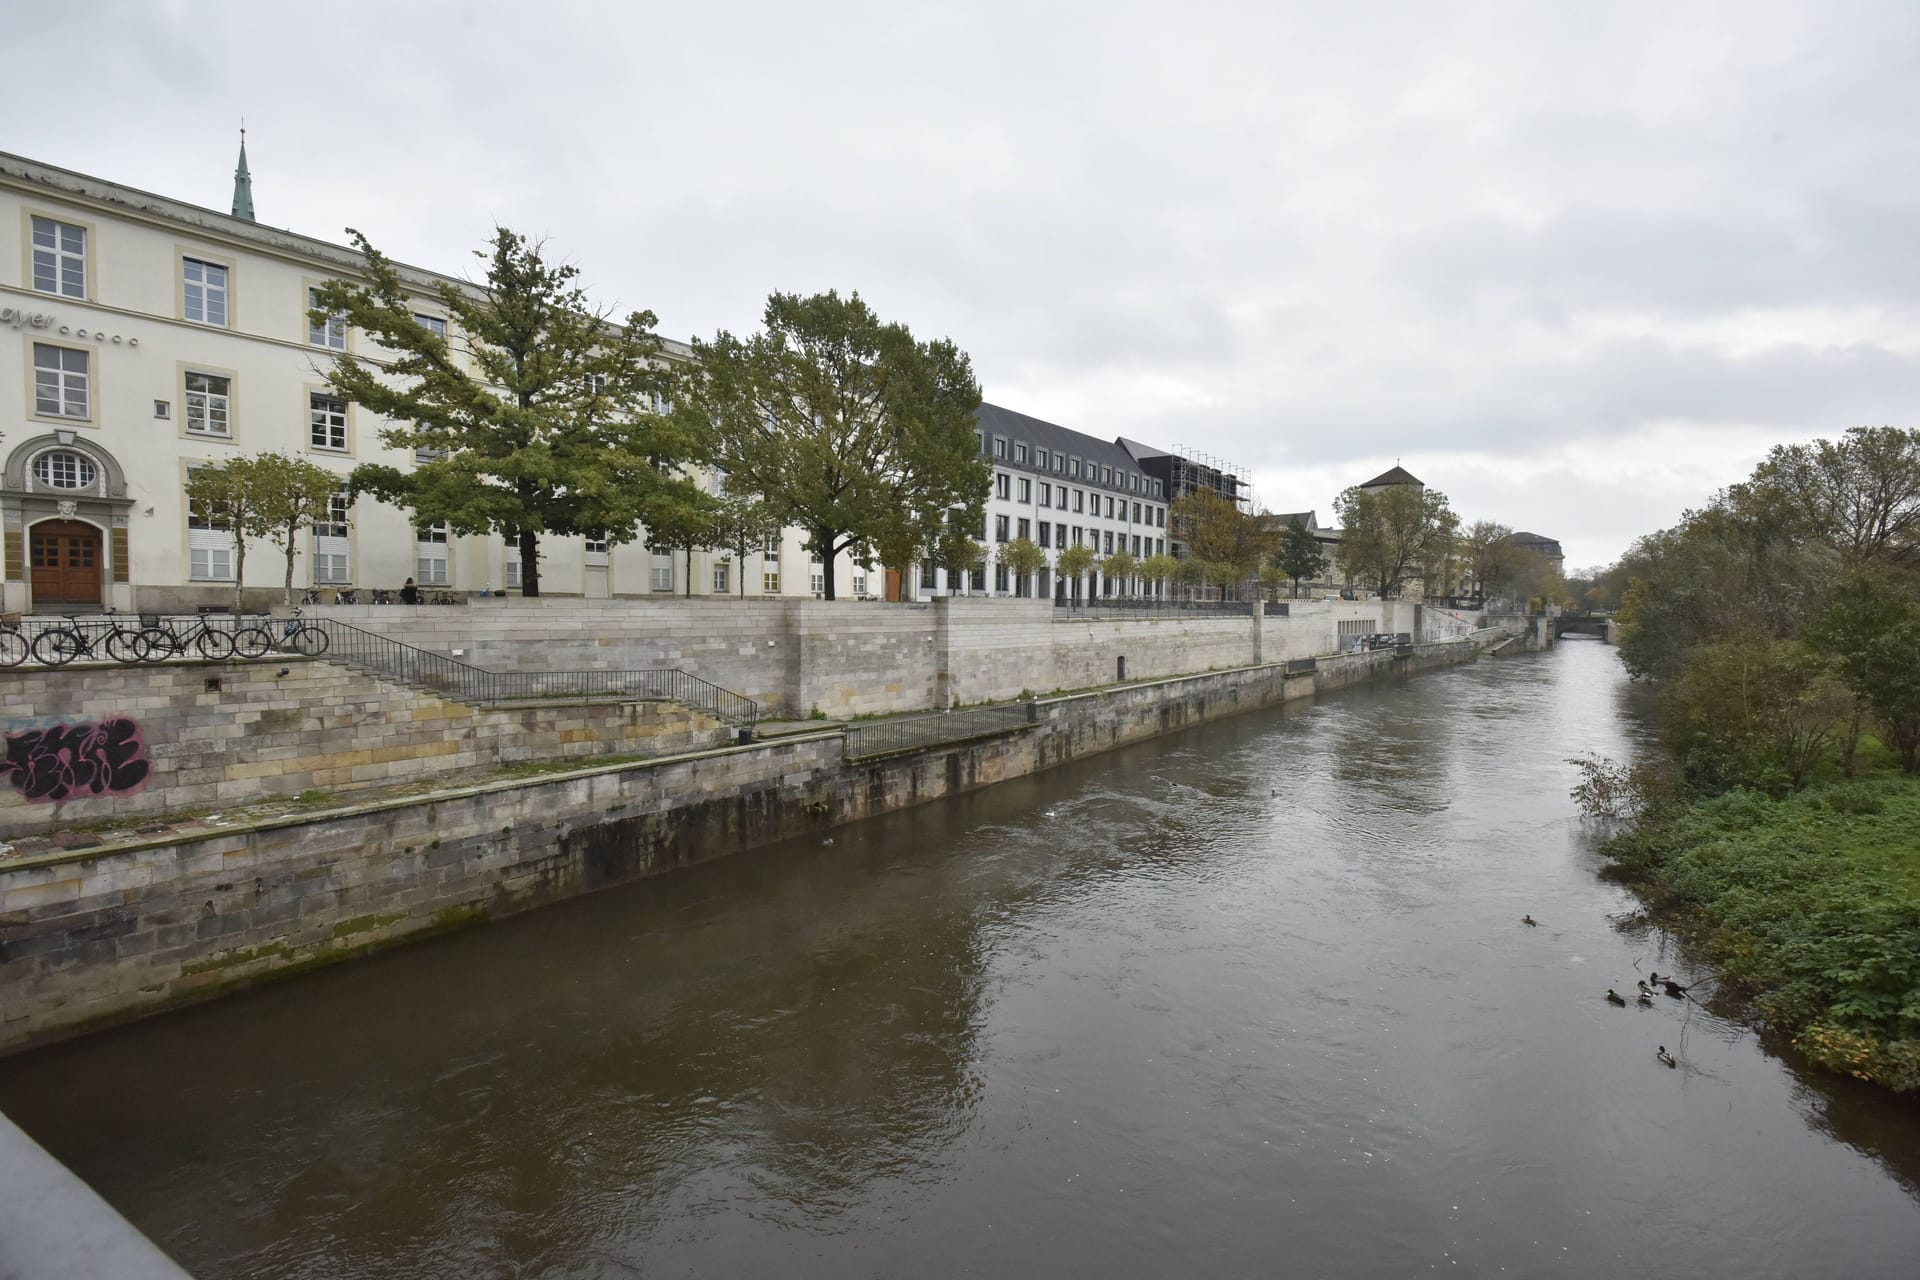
x: 65, y: 555
x: 893, y: 584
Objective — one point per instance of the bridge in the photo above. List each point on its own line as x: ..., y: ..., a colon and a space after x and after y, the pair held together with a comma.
x: 1584, y: 623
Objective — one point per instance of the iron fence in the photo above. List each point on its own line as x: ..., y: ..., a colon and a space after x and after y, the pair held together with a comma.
x: 912, y: 733
x: 1110, y: 608
x: 357, y: 647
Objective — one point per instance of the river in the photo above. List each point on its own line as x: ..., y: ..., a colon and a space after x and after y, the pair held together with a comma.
x: 1255, y: 999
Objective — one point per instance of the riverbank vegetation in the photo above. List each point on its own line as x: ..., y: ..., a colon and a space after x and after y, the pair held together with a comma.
x: 1781, y: 626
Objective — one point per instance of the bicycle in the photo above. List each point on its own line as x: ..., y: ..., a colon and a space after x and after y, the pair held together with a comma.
x: 311, y: 596
x: 301, y: 637
x: 346, y: 595
x: 160, y: 639
x: 57, y: 646
x: 13, y: 645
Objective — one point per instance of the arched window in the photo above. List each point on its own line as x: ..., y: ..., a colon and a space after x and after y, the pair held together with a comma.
x: 64, y: 469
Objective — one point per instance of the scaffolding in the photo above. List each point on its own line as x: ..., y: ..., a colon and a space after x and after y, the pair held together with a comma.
x: 1190, y: 470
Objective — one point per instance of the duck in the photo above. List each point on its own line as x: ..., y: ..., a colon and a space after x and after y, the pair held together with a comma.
x: 1674, y: 989
x: 1645, y: 990
x: 1614, y: 997
x: 1645, y: 1001
x: 1664, y: 1058
x: 1528, y: 920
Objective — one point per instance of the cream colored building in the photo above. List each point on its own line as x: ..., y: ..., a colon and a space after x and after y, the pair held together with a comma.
x: 141, y: 336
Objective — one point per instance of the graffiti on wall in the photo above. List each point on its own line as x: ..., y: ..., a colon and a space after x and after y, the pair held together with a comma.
x: 77, y: 761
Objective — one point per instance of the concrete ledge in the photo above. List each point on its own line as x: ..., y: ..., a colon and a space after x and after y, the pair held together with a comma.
x: 55, y: 1227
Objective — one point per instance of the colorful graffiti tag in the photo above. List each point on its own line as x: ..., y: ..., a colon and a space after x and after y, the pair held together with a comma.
x: 76, y: 761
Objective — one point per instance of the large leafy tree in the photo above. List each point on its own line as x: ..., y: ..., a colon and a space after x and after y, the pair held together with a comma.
x: 531, y: 416
x: 845, y: 425
x: 1386, y: 534
x: 1872, y: 632
x: 1860, y: 493
x: 1215, y: 530
x: 1300, y: 555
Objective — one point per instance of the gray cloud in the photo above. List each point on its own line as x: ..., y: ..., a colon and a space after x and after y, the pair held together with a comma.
x: 1522, y: 244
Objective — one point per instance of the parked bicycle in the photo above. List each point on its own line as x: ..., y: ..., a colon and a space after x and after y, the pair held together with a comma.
x: 162, y: 638
x: 295, y: 635
x: 13, y: 645
x: 346, y: 595
x: 311, y: 596
x: 59, y: 645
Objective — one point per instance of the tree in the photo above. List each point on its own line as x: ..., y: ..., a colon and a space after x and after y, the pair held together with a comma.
x: 1756, y: 707
x: 1490, y: 553
x: 742, y: 523
x: 1118, y: 567
x: 222, y: 497
x: 844, y: 425
x: 1023, y: 559
x: 1872, y: 631
x: 1159, y: 569
x: 293, y: 494
x: 958, y: 553
x: 1216, y: 530
x: 1387, y: 533
x: 551, y: 433
x: 1300, y: 555
x: 1861, y: 493
x: 1075, y: 563
x: 683, y: 518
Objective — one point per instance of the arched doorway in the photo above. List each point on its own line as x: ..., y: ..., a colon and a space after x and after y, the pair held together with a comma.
x: 65, y: 559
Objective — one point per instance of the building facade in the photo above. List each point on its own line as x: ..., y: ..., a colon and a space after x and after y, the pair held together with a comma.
x: 141, y: 337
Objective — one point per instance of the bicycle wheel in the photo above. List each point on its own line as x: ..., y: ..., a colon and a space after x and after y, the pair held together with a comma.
x: 125, y: 646
x: 217, y: 645
x: 311, y: 641
x: 251, y: 642
x: 58, y: 648
x: 157, y: 643
x: 13, y: 648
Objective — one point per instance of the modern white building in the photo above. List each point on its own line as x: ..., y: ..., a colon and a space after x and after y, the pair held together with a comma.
x: 150, y: 336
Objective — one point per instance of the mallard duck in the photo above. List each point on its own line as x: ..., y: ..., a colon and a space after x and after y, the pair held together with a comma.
x: 1528, y: 920
x: 1645, y: 990
x: 1674, y: 989
x: 1664, y: 1058
x: 1614, y: 997
x: 1645, y: 1001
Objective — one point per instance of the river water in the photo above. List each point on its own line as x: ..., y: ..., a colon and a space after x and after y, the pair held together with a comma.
x: 1250, y: 1000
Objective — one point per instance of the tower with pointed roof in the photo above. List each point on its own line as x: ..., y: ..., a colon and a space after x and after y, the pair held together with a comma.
x: 243, y: 184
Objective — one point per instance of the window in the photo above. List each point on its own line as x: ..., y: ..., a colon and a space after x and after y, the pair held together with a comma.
x: 977, y: 579
x: 208, y: 406
x: 1136, y: 546
x: 662, y: 569
x: 1106, y: 475
x: 1046, y: 495
x: 1026, y: 529
x: 1160, y: 546
x: 1109, y: 506
x: 1079, y: 500
x: 63, y: 470
x: 661, y: 404
x: 1026, y: 489
x: 999, y: 577
x: 330, y: 333
x: 329, y: 421
x: 595, y: 547
x: 860, y: 582
x: 770, y: 581
x: 720, y: 568
x: 209, y: 546
x: 1040, y: 459
x: 432, y: 324
x: 1136, y: 513
x: 1079, y: 535
x: 1059, y: 463
x: 1073, y: 468
x: 1046, y: 534
x: 60, y: 381
x: 1002, y: 485
x: 59, y: 258
x: 999, y: 447
x: 596, y: 384
x: 513, y: 567
x: 430, y: 543
x: 1020, y: 454
x: 1160, y: 520
x: 204, y: 291
x: 1059, y: 535
x: 817, y: 578
x: 427, y: 453
x: 1109, y: 542
x: 983, y: 441
x: 330, y: 541
x: 771, y: 550
x: 1000, y: 528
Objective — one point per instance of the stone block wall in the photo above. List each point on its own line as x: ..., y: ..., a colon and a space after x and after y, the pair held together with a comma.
x: 261, y: 733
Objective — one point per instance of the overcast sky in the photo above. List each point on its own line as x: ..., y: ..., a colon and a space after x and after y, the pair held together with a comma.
x: 1577, y: 264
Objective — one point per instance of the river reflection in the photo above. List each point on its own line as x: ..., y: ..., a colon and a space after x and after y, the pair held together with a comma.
x: 1251, y: 999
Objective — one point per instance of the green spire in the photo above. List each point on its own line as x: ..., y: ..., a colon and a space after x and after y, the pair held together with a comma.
x: 243, y: 184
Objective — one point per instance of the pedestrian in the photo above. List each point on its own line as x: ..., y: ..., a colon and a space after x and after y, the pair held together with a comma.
x: 409, y: 594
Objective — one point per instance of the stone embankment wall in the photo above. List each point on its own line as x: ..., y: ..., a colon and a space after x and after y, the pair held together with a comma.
x: 850, y: 658
x: 87, y: 744
x: 86, y: 938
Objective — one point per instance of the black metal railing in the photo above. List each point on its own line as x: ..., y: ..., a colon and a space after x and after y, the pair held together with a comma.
x: 1114, y: 607
x: 911, y: 733
x: 465, y: 682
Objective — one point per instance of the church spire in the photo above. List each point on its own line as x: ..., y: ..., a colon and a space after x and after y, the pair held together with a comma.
x: 243, y: 183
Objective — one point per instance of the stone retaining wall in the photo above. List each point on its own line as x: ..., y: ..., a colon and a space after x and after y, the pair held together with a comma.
x: 88, y: 938
x: 225, y: 733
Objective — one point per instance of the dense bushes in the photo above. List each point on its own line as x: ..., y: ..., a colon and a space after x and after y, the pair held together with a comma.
x: 1810, y: 902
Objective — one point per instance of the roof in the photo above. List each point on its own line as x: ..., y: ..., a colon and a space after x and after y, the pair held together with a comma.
x: 1041, y: 434
x: 1309, y: 520
x: 1399, y: 475
x: 1538, y: 541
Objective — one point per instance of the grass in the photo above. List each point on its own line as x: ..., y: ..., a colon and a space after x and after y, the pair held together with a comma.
x: 1810, y: 904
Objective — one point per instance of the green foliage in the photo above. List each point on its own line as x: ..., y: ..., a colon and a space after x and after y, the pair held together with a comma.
x: 843, y: 425
x: 265, y: 495
x: 1023, y: 559
x: 1873, y: 633
x: 1076, y: 562
x: 534, y: 412
x: 1811, y: 904
x: 1117, y: 568
x: 1766, y: 710
x: 741, y: 524
x: 1159, y: 568
x: 1388, y: 533
x: 1217, y: 532
x: 1300, y: 554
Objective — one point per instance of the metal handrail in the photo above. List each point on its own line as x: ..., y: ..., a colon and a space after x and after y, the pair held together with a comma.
x: 910, y: 733
x: 356, y: 646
